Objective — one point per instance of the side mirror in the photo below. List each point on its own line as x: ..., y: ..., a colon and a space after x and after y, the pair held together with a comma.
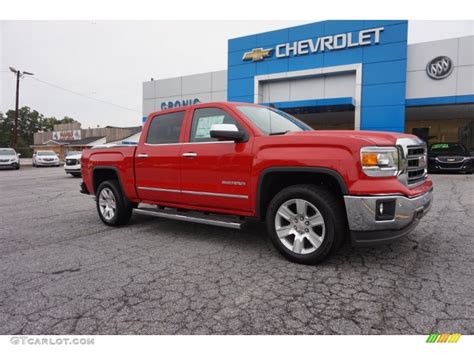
x: 228, y: 132
x: 18, y: 155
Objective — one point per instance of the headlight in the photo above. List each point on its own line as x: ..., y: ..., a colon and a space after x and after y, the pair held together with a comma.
x: 379, y: 161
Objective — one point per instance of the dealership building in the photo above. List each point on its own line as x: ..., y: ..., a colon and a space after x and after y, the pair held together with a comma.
x: 358, y: 75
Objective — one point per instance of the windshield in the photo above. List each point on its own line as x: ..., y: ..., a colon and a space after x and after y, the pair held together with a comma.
x: 73, y: 153
x: 451, y: 148
x: 45, y: 153
x: 7, y: 152
x: 271, y: 121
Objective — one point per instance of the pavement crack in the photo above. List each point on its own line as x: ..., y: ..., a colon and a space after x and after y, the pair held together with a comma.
x: 64, y: 271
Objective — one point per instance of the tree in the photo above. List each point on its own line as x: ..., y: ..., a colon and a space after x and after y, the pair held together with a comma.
x: 29, y: 122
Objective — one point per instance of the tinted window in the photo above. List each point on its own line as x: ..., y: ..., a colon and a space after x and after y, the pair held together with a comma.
x: 7, y: 152
x: 165, y: 128
x: 445, y: 148
x: 272, y: 121
x: 203, y: 119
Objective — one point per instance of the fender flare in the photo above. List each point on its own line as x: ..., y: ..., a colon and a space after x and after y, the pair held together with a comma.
x: 106, y: 167
x: 297, y: 169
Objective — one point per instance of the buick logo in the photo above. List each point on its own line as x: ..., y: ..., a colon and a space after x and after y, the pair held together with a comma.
x: 439, y: 67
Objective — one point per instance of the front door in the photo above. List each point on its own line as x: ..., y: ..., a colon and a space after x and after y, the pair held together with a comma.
x: 157, y: 160
x: 215, y: 173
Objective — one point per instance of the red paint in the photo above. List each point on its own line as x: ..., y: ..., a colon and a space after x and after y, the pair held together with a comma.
x: 245, y: 162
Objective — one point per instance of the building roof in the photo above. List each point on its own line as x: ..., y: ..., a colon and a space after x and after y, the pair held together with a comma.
x: 70, y: 142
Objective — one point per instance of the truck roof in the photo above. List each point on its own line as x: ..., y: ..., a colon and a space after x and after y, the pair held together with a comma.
x: 203, y: 104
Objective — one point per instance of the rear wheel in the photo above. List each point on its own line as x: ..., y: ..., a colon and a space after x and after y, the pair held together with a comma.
x: 306, y: 223
x: 113, y: 207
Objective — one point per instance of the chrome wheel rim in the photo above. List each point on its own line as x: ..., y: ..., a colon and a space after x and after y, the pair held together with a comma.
x: 300, y: 226
x: 107, y: 203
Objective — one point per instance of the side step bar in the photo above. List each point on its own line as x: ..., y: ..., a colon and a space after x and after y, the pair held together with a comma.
x: 196, y: 217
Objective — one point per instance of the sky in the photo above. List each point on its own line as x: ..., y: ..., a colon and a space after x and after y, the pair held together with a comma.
x: 109, y: 60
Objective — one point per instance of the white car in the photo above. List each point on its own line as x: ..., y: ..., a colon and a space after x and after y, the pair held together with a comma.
x: 73, y: 164
x: 9, y: 158
x: 45, y: 158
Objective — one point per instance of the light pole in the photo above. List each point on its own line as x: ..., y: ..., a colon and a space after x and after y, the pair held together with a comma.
x: 19, y: 75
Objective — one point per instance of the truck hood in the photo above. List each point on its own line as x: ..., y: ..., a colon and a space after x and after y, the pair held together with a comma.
x: 370, y: 137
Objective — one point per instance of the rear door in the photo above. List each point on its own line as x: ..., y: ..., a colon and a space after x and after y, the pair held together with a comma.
x: 157, y: 159
x: 215, y: 173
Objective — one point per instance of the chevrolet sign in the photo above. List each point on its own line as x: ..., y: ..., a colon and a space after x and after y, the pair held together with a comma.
x: 320, y: 44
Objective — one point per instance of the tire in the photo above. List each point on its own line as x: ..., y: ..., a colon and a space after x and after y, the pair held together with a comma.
x: 113, y: 196
x: 76, y: 174
x: 318, y: 235
x: 17, y: 167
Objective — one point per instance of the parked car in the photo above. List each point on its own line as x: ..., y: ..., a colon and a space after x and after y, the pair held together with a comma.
x: 226, y: 163
x: 9, y: 158
x: 72, y: 164
x: 450, y: 157
x: 45, y: 158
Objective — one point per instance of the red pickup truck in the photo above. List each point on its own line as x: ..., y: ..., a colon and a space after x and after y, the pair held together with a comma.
x: 225, y: 163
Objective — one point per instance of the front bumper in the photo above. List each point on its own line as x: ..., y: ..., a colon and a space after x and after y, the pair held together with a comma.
x: 72, y: 169
x: 463, y: 166
x: 47, y: 163
x: 365, y: 227
x: 9, y: 165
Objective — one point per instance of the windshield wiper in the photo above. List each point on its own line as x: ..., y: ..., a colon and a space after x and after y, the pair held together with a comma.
x: 278, y: 133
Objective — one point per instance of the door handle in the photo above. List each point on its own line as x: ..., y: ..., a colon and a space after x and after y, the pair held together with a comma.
x: 142, y: 155
x: 189, y: 155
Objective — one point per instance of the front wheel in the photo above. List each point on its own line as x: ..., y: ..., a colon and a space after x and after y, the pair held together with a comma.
x: 113, y: 207
x: 306, y: 223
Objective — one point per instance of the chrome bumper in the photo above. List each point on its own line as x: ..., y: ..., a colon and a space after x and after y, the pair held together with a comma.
x: 47, y: 163
x: 366, y: 229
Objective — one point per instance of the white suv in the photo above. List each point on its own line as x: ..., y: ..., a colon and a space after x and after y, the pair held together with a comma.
x: 9, y: 158
x: 45, y: 158
x: 73, y: 164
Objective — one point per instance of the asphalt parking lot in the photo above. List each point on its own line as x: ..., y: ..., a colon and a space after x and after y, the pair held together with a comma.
x: 63, y: 272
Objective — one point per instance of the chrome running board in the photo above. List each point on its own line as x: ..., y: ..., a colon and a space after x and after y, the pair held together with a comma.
x: 196, y: 217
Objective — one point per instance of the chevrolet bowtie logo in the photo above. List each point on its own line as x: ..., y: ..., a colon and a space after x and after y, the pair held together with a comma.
x: 257, y: 54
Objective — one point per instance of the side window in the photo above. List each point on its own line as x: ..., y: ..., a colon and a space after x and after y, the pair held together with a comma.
x: 165, y: 128
x: 203, y: 119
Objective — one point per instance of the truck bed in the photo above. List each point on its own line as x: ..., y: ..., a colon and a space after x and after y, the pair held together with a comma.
x: 120, y: 157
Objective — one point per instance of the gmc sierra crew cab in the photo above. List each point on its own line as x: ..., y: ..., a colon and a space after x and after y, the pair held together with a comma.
x: 226, y: 163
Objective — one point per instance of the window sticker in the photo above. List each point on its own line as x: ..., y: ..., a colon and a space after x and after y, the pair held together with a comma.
x: 204, y: 126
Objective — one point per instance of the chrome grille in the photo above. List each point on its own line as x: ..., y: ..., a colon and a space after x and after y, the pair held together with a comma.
x: 416, y: 159
x: 413, y: 161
